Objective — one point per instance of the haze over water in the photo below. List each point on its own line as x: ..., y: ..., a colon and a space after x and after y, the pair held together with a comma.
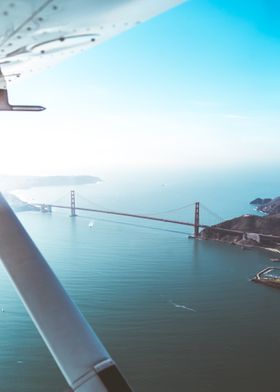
x: 176, y: 314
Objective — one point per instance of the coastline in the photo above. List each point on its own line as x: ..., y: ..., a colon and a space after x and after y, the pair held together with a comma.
x: 14, y: 184
x: 247, y: 231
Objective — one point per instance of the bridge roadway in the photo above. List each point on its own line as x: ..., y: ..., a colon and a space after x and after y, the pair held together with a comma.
x: 221, y: 229
x: 125, y: 214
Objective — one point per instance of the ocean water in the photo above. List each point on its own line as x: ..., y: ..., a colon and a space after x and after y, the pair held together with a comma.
x: 176, y: 314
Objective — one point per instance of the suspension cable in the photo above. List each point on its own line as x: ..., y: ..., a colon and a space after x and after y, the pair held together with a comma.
x: 220, y: 219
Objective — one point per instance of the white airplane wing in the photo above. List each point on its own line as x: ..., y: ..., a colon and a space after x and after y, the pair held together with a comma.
x: 81, y: 357
x: 35, y: 34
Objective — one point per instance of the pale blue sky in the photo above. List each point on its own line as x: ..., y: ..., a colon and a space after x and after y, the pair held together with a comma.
x: 198, y: 85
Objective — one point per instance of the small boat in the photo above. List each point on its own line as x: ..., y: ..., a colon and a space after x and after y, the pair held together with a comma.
x: 91, y: 224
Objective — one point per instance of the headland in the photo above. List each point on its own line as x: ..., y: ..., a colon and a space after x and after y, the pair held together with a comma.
x: 247, y: 231
x: 12, y: 183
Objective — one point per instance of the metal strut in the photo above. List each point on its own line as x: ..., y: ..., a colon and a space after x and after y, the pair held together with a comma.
x: 5, y: 105
x: 80, y: 355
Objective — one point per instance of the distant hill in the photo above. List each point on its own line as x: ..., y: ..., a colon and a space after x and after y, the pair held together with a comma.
x: 8, y: 183
x: 19, y: 205
x: 253, y: 224
x: 258, y: 201
x: 272, y: 207
x: 269, y: 225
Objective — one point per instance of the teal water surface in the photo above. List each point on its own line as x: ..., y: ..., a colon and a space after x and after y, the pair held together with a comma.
x: 176, y: 314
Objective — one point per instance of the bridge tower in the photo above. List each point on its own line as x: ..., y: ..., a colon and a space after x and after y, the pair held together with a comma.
x: 196, y: 220
x: 73, y: 204
x: 49, y: 208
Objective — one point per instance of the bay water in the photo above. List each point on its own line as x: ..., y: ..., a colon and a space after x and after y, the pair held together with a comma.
x: 176, y: 314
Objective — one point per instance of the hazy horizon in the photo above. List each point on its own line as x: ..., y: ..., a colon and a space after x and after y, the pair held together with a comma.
x: 196, y: 87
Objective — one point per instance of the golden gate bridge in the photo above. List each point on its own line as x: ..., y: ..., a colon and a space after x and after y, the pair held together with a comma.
x: 196, y: 224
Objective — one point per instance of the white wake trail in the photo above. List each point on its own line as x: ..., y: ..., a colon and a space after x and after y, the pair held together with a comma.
x: 182, y: 306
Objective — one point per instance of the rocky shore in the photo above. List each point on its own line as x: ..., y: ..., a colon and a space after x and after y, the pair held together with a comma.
x: 267, y: 205
x: 247, y: 231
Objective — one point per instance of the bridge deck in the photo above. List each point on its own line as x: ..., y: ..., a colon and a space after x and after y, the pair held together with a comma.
x: 177, y: 222
x: 139, y: 216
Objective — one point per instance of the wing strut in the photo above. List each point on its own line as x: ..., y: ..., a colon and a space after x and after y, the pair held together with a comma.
x: 5, y: 105
x: 4, y: 100
x: 80, y: 355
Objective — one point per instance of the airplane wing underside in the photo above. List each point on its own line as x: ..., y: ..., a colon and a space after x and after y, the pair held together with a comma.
x: 35, y: 34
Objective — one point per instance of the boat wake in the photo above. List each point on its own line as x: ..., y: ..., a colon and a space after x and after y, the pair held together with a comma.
x: 181, y: 306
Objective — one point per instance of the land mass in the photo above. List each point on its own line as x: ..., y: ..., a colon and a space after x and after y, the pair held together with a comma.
x: 259, y: 201
x: 19, y: 205
x: 8, y: 183
x: 247, y: 231
x: 272, y: 207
